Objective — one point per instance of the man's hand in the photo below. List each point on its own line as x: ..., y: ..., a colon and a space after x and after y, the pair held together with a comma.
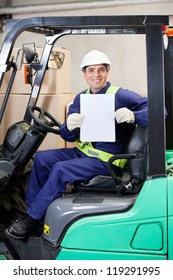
x: 74, y: 120
x: 124, y: 115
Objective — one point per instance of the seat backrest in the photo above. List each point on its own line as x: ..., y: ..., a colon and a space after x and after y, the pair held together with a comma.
x: 131, y: 183
x: 138, y: 144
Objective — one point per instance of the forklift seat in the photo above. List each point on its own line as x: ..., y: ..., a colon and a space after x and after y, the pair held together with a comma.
x: 108, y: 191
x: 133, y: 175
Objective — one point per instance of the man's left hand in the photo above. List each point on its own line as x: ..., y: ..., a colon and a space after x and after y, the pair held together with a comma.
x: 124, y: 115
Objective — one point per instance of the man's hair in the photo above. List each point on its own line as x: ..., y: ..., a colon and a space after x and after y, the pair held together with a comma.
x: 107, y: 66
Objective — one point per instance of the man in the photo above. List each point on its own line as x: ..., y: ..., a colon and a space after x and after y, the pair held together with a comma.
x: 53, y: 169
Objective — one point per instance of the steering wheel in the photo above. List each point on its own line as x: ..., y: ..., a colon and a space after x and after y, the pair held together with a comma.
x: 44, y: 119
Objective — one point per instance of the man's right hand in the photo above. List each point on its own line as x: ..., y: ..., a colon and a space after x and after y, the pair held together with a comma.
x: 74, y: 120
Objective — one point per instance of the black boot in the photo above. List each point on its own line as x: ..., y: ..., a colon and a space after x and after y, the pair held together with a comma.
x: 22, y: 227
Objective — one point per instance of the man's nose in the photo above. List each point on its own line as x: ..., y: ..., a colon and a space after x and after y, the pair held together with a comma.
x: 97, y: 73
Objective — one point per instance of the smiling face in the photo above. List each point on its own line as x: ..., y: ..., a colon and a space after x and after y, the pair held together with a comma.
x: 96, y: 76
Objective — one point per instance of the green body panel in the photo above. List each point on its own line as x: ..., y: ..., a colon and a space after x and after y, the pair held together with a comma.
x: 140, y: 233
x: 2, y: 257
x: 169, y: 164
x: 170, y: 218
x: 73, y: 254
x: 169, y: 155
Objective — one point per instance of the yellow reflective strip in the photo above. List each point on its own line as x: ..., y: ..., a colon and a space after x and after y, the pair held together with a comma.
x: 110, y: 90
x: 102, y: 155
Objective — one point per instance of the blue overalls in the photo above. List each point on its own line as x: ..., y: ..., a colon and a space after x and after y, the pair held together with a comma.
x: 52, y: 169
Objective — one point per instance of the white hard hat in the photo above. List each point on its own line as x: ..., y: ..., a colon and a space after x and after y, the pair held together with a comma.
x: 94, y: 57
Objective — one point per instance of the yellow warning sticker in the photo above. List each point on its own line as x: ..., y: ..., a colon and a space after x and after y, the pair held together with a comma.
x: 46, y: 229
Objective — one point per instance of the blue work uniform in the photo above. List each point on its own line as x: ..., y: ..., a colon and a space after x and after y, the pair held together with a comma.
x: 53, y: 169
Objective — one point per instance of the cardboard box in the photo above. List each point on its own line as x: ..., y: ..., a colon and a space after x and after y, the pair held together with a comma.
x: 54, y: 104
x: 55, y: 81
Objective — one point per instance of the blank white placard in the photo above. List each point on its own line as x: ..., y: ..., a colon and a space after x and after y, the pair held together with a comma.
x: 99, y: 123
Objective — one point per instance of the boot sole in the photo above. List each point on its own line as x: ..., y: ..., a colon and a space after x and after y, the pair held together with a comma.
x: 14, y: 236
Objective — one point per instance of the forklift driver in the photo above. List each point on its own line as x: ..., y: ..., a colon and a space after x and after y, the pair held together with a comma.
x: 53, y: 169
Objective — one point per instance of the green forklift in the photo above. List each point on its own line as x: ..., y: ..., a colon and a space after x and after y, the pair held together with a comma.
x: 136, y: 224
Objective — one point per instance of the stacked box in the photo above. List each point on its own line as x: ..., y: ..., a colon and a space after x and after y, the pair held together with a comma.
x: 55, y: 81
x: 55, y: 94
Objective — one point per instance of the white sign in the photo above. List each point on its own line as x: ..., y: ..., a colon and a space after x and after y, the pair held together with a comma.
x: 99, y: 123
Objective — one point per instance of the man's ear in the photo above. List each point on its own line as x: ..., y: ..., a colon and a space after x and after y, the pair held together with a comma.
x: 84, y: 74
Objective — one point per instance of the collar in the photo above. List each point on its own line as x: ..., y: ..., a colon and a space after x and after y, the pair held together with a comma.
x: 103, y: 90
